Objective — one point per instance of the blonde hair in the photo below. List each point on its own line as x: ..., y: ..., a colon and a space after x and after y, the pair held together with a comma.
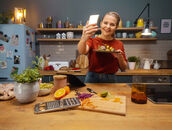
x: 114, y: 14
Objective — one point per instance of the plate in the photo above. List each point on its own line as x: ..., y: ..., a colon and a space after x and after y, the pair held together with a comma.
x: 102, y: 51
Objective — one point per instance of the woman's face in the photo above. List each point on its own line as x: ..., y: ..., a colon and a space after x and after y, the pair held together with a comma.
x: 108, y: 25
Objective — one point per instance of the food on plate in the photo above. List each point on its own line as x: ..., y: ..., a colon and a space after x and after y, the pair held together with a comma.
x: 105, y: 47
x: 6, y: 91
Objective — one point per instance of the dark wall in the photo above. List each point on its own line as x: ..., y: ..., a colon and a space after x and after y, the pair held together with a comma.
x: 76, y: 10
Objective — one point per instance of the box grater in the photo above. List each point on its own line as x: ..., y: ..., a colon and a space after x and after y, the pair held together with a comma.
x: 57, y: 105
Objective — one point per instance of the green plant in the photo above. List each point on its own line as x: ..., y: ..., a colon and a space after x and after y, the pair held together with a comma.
x: 29, y: 75
x: 133, y: 59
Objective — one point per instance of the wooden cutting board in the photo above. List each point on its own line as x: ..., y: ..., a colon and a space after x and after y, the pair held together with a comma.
x: 113, y: 105
x: 82, y: 61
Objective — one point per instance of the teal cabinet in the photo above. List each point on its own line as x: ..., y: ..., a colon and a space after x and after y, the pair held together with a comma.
x: 123, y: 79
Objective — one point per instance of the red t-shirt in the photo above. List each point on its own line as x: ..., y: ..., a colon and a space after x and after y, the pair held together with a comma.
x: 103, y: 62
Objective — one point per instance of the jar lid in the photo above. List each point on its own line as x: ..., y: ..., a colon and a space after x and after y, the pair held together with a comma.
x: 59, y: 77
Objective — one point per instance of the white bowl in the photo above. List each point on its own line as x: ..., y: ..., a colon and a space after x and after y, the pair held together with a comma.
x: 43, y: 92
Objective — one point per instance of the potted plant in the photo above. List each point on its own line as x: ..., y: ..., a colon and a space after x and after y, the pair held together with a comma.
x: 132, y: 60
x: 27, y: 87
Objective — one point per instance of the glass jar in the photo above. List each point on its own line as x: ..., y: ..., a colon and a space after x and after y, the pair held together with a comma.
x: 138, y: 93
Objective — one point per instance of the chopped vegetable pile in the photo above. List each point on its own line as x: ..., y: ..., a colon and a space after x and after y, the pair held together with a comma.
x: 83, y: 96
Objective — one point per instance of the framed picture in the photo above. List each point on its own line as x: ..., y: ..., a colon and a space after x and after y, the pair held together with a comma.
x: 165, y: 25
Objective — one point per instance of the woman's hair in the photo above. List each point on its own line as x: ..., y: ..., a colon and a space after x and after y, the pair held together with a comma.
x: 114, y: 14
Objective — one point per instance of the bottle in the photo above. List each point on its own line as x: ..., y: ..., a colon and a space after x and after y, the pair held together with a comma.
x: 67, y: 23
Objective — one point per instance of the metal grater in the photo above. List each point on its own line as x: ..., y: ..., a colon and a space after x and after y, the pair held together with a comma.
x: 57, y: 105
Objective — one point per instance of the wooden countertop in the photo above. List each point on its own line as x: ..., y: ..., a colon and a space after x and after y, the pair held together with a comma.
x: 127, y: 72
x: 15, y: 116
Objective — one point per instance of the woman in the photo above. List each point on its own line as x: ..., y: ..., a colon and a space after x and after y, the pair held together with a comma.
x: 103, y: 66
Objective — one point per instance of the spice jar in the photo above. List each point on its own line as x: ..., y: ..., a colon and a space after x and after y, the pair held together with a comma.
x: 60, y: 81
x: 138, y: 93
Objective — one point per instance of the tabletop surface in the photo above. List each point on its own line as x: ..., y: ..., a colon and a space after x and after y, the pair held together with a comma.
x: 16, y: 116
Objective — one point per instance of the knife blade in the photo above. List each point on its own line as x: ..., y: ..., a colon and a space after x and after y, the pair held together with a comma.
x: 91, y: 91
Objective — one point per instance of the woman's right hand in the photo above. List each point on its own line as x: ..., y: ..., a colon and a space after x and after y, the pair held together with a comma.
x: 89, y: 30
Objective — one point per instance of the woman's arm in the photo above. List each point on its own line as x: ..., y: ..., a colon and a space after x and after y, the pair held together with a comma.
x: 121, y: 60
x: 88, y: 31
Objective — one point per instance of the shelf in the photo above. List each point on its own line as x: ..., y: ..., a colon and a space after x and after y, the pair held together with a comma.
x: 59, y: 29
x: 136, y: 39
x: 56, y: 40
x: 80, y: 29
x: 54, y: 30
x: 76, y: 40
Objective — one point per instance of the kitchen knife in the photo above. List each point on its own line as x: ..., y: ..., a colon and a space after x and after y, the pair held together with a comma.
x: 91, y: 91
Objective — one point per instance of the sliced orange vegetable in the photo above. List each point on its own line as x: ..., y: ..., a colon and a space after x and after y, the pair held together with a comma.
x: 67, y: 88
x: 60, y: 93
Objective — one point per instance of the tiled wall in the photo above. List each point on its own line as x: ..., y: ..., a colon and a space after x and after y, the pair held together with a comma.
x: 145, y: 49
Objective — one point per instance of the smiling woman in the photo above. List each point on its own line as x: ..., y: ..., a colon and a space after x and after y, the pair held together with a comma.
x: 103, y: 66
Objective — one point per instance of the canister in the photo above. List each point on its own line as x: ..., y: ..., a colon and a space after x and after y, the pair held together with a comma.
x: 60, y: 81
x: 140, y: 23
x: 138, y: 93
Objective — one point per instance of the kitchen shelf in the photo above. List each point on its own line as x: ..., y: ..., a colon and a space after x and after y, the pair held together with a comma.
x: 80, y: 29
x: 55, y: 40
x: 67, y: 40
x: 55, y: 30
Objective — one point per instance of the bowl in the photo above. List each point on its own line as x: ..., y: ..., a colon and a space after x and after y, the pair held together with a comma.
x: 45, y: 91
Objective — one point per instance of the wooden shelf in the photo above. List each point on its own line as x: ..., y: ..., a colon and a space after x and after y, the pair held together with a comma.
x: 55, y: 30
x: 80, y: 29
x: 76, y: 40
x: 136, y: 39
x: 56, y: 40
x: 59, y: 29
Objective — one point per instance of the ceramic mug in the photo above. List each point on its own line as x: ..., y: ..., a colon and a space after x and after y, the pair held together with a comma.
x: 124, y: 35
x: 118, y: 35
x: 70, y: 35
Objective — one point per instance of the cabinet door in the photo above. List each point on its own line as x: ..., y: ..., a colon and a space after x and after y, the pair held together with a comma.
x: 124, y: 79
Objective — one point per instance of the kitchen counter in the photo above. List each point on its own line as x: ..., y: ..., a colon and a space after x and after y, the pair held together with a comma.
x: 15, y: 116
x: 127, y: 72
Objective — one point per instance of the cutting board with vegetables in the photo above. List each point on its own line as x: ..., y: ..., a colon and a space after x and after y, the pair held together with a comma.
x: 114, y: 105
